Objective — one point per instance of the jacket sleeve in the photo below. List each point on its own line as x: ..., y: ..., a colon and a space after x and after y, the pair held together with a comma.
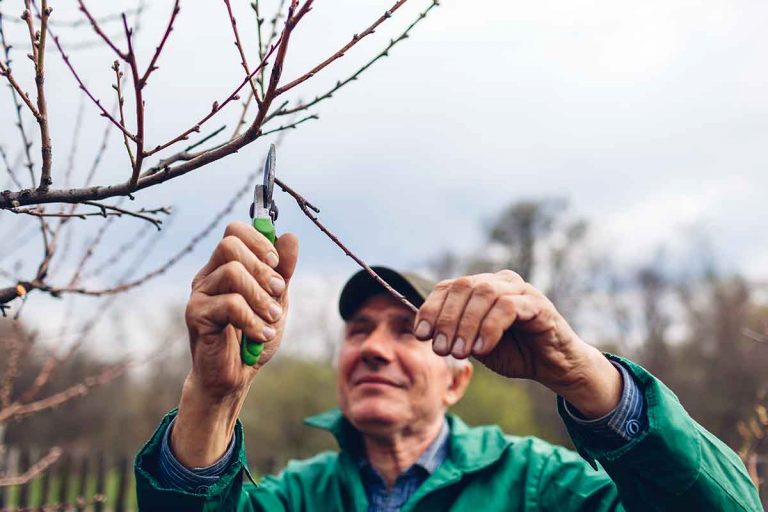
x: 234, y: 491
x: 675, y: 464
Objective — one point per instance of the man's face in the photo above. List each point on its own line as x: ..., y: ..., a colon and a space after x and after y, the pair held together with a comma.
x: 388, y: 380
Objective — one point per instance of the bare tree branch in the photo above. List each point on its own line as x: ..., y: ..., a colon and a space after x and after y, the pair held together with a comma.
x: 80, y: 22
x: 308, y: 209
x: 8, y: 74
x: 356, y: 38
x: 106, y: 210
x: 104, y: 112
x: 215, y: 108
x: 97, y: 28
x: 138, y: 88
x: 121, y: 102
x: 8, y: 167
x: 119, y: 253
x: 155, y: 177
x: 19, y: 410
x: 265, y: 92
x: 15, y: 93
x: 239, y: 45
x: 291, y: 125
x: 37, y: 469
x: 38, y: 44
x: 341, y: 83
x: 153, y: 63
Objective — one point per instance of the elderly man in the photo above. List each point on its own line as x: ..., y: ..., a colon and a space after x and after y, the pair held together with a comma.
x: 397, y: 374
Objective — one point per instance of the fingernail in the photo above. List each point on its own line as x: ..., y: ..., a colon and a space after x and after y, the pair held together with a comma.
x: 422, y: 330
x: 268, y: 332
x: 458, y: 348
x: 277, y: 285
x: 272, y: 259
x: 275, y: 311
x: 441, y: 344
x: 478, y: 345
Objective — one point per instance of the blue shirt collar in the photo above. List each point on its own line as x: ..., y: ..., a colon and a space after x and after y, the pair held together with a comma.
x: 432, y: 457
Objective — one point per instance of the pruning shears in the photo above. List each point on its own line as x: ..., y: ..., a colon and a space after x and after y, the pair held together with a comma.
x: 263, y: 215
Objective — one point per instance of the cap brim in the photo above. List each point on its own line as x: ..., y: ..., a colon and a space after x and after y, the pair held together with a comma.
x: 362, y: 286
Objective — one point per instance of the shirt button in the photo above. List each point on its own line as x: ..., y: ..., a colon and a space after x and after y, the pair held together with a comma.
x: 203, y: 489
x: 633, y: 428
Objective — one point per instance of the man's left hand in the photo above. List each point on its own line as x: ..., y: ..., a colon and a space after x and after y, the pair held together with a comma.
x: 514, y: 330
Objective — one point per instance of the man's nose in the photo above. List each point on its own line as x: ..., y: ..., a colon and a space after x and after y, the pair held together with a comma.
x: 377, y: 349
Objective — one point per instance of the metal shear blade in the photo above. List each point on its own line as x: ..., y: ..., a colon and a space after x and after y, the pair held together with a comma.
x: 263, y: 206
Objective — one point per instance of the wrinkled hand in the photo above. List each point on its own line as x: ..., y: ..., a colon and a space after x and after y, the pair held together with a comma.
x: 242, y: 288
x: 514, y: 330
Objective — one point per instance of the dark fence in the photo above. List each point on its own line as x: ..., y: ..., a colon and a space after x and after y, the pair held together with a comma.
x: 95, y: 482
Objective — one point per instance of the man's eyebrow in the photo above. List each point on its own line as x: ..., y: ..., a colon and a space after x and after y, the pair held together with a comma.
x: 404, y: 318
x: 359, y: 319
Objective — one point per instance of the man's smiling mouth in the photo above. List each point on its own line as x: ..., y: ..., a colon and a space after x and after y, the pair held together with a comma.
x: 375, y: 379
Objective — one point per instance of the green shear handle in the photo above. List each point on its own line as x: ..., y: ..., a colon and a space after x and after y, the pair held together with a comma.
x: 263, y: 213
x: 250, y: 350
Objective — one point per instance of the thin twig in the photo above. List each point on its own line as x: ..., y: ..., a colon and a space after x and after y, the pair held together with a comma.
x: 33, y: 472
x: 46, y: 149
x: 97, y: 28
x: 25, y: 140
x: 105, y: 210
x: 138, y: 88
x: 205, y: 139
x: 79, y: 22
x: 159, y: 49
x: 8, y: 168
x: 19, y: 410
x: 241, y: 51
x: 104, y: 112
x: 121, y: 102
x: 127, y: 285
x: 356, y: 38
x: 8, y: 74
x: 215, y: 108
x: 89, y: 251
x: 119, y: 253
x: 291, y: 125
x: 143, y: 213
x: 241, y: 121
x: 272, y: 35
x: 99, y: 152
x: 307, y: 209
x: 341, y: 83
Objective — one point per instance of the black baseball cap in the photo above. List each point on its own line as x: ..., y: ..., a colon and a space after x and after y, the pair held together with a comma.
x: 361, y: 286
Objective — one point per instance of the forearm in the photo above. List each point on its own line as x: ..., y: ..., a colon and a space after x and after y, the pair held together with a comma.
x: 204, y: 425
x: 595, y: 386
x: 673, y: 463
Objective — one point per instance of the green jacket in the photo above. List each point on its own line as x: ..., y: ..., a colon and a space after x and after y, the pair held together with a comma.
x: 675, y: 465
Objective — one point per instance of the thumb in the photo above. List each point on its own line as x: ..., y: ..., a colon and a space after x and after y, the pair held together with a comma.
x: 288, y: 249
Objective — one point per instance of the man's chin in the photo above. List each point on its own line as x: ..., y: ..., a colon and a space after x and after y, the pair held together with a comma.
x: 375, y: 414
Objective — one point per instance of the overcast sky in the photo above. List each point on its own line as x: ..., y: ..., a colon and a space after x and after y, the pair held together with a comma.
x: 651, y: 118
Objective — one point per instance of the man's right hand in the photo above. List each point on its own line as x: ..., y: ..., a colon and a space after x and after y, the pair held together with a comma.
x: 242, y: 289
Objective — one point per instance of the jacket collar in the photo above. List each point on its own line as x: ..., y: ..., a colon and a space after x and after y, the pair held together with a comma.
x: 469, y: 448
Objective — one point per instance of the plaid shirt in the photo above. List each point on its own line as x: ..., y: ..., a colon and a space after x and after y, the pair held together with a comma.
x: 613, y: 430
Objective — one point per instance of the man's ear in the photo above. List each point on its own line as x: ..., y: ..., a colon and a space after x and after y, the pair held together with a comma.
x: 457, y: 386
